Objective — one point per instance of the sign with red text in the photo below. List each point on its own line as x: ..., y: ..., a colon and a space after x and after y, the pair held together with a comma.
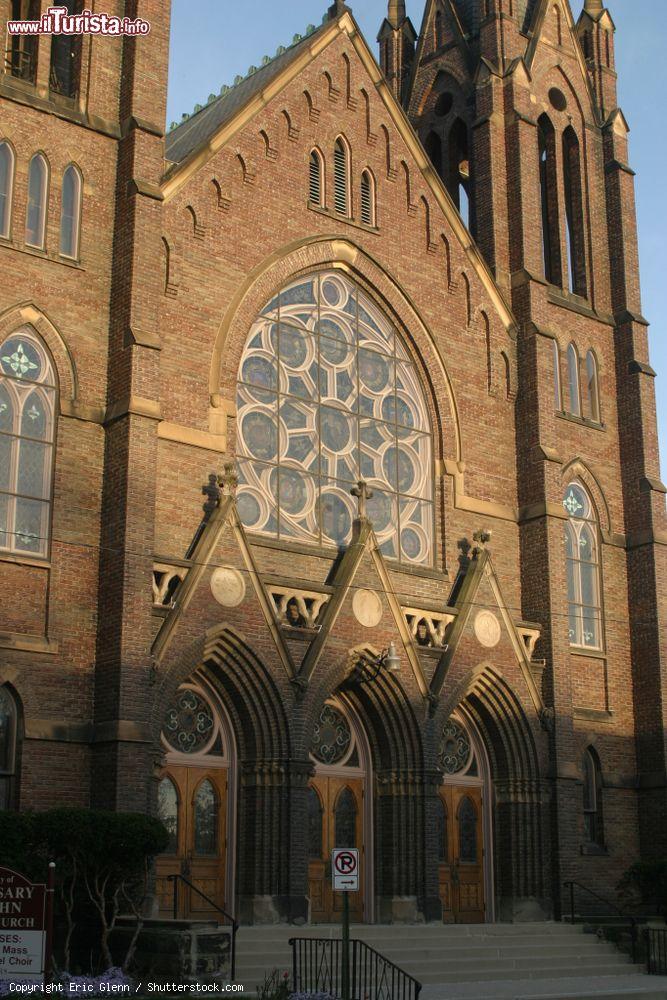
x: 22, y: 926
x: 345, y: 868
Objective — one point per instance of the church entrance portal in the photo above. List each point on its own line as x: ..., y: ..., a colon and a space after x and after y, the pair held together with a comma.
x: 462, y: 829
x: 336, y: 812
x: 193, y: 804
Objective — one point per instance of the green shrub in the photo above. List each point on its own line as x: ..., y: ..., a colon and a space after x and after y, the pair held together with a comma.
x: 102, y: 865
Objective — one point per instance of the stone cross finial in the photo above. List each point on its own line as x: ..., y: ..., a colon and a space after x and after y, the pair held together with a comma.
x: 363, y: 494
x: 229, y: 480
x: 337, y: 8
x: 212, y: 493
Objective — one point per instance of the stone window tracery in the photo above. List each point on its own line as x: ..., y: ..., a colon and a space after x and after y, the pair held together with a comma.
x: 456, y: 754
x: 190, y: 725
x: 583, y: 569
x: 327, y: 395
x: 333, y: 740
x: 27, y: 435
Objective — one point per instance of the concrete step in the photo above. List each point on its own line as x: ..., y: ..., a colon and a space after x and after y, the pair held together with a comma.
x: 604, y: 988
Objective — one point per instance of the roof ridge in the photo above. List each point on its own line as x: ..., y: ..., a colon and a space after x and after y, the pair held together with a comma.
x: 226, y: 89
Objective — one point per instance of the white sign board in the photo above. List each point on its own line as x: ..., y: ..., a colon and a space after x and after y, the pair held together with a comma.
x: 345, y: 868
x: 21, y: 953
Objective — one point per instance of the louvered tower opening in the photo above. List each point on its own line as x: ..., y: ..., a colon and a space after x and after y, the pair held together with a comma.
x: 367, y: 207
x: 315, y: 178
x: 341, y: 197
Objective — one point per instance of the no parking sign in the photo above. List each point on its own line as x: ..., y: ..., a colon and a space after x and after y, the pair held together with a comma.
x: 345, y: 868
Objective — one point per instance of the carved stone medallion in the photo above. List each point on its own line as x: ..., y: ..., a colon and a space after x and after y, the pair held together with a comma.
x: 487, y: 629
x: 227, y: 586
x: 367, y: 608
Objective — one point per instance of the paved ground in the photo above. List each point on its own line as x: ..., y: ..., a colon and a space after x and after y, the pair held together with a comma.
x: 616, y: 987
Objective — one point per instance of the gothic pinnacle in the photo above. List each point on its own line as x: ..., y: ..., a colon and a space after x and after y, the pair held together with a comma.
x: 593, y: 6
x: 396, y: 13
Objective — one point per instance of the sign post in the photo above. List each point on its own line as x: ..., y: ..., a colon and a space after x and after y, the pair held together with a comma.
x: 345, y: 868
x: 26, y: 920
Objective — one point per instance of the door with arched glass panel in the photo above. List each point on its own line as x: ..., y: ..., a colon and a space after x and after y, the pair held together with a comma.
x: 335, y: 819
x: 335, y: 806
x: 191, y: 804
x: 460, y: 829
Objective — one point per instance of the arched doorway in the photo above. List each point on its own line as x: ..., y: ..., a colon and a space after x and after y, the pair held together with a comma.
x: 464, y: 826
x: 195, y: 797
x: 338, y: 811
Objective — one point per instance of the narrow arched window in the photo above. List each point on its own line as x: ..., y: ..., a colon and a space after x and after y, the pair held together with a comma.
x: 467, y: 817
x: 38, y: 185
x: 27, y: 435
x: 583, y: 570
x: 23, y: 51
x: 316, y: 178
x: 558, y: 394
x: 593, y: 817
x: 459, y: 170
x: 574, y: 398
x: 315, y: 831
x: 345, y: 819
x: 9, y: 749
x: 441, y: 827
x: 439, y: 34
x: 592, y: 401
x: 6, y: 184
x: 574, y: 217
x: 167, y: 811
x: 341, y: 178
x: 66, y: 57
x: 549, y: 201
x: 70, y: 213
x: 206, y: 808
x: 367, y: 198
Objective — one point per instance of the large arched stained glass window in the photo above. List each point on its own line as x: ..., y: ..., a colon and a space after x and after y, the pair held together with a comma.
x: 583, y: 569
x: 327, y: 395
x: 27, y: 433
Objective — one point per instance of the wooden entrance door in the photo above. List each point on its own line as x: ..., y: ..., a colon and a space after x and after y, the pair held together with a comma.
x: 335, y: 819
x: 461, y: 854
x: 192, y: 805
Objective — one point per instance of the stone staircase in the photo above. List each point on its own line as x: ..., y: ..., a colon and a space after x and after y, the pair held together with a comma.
x: 473, y: 962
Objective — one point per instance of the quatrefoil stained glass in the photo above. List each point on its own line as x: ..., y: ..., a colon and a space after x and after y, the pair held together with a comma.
x: 455, y: 749
x: 327, y: 395
x: 189, y: 724
x: 332, y: 736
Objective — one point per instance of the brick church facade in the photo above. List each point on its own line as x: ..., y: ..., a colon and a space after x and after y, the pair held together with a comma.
x: 384, y: 323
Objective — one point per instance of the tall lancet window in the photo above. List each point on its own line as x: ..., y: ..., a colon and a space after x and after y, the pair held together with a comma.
x: 27, y: 435
x: 582, y: 550
x: 549, y: 199
x: 38, y: 194
x: 327, y: 395
x: 342, y: 177
x: 6, y: 184
x: 70, y: 213
x: 9, y: 748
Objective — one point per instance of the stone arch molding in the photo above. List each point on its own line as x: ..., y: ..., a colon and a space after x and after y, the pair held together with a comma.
x: 29, y: 315
x: 578, y: 469
x: 286, y: 264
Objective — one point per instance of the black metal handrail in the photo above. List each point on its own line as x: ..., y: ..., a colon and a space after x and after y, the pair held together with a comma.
x: 235, y: 926
x: 656, y: 951
x: 317, y: 966
x: 630, y: 918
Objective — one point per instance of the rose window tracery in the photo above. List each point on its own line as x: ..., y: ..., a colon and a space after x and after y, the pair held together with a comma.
x: 327, y: 395
x: 455, y: 748
x: 189, y: 724
x: 332, y: 736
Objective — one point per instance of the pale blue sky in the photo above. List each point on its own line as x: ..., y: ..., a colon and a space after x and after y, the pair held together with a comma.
x: 214, y: 40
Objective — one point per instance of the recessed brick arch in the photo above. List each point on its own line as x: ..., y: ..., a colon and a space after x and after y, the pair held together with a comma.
x: 296, y: 259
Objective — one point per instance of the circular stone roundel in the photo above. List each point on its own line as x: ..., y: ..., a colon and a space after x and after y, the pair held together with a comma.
x: 227, y: 586
x: 367, y: 608
x: 487, y: 629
